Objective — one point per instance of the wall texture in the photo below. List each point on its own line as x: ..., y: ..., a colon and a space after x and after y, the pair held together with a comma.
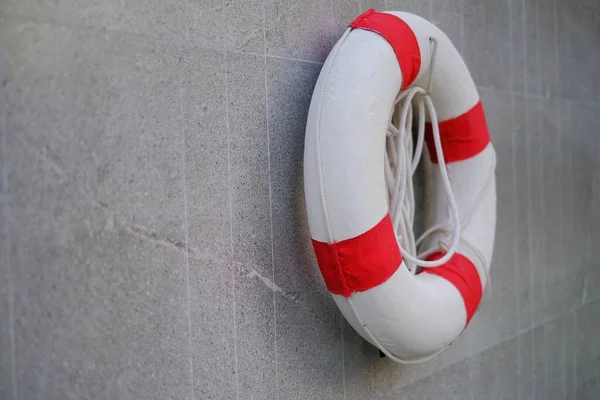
x: 154, y: 241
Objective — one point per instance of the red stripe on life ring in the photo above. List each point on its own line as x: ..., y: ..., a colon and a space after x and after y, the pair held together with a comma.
x: 462, y: 137
x: 359, y: 263
x: 399, y: 35
x: 462, y: 273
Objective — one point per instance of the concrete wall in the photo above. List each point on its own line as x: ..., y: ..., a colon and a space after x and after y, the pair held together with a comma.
x: 154, y: 241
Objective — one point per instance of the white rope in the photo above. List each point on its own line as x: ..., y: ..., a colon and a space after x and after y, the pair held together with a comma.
x: 401, y: 163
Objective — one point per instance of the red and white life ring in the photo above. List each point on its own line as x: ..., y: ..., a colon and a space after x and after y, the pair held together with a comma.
x: 409, y: 314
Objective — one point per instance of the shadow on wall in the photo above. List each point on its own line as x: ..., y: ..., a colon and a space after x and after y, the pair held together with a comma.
x: 309, y: 354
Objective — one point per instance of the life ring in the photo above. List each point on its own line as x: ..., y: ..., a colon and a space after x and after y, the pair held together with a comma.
x: 356, y: 191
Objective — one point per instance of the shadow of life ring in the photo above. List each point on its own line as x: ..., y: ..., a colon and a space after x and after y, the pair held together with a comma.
x: 388, y: 70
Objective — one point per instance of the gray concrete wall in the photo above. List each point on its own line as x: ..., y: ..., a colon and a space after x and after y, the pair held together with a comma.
x: 154, y: 241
